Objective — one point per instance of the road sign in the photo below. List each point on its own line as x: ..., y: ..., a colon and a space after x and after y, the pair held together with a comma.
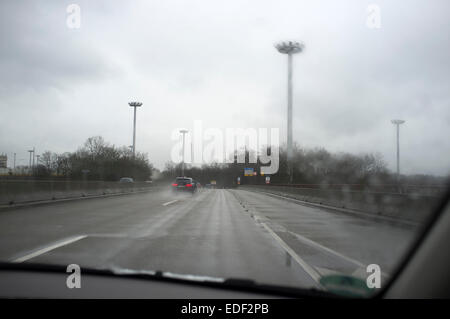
x: 248, y: 171
x: 213, y: 182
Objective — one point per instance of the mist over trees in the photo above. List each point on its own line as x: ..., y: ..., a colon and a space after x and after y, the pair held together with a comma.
x: 98, y: 160
x: 95, y: 160
x: 311, y: 166
x: 315, y: 166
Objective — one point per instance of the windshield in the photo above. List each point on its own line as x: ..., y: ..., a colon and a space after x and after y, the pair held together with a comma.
x: 292, y: 143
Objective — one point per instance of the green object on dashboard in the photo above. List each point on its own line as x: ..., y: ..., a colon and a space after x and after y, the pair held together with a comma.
x: 344, y: 285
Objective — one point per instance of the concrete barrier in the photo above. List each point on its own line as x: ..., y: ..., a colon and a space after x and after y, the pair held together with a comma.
x: 408, y: 207
x: 23, y: 191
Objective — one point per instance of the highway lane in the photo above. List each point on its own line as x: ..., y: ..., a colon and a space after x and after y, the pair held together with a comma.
x: 327, y: 238
x: 218, y: 233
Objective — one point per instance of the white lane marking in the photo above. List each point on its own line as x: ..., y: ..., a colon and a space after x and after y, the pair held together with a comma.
x: 333, y: 252
x: 47, y: 249
x: 307, y: 268
x: 329, y: 250
x: 317, y: 245
x: 171, y: 202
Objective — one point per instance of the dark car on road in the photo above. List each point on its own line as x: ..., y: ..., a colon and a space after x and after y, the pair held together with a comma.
x: 126, y: 180
x: 185, y: 184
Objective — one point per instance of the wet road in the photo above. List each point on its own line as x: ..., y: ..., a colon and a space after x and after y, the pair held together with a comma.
x: 218, y: 233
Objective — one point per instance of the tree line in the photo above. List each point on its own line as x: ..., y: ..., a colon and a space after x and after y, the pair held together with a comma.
x: 98, y: 160
x: 310, y: 166
x: 95, y: 160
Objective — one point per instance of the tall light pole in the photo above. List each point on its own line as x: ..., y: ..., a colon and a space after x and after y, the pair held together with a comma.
x: 135, y: 105
x: 289, y: 48
x: 34, y: 152
x: 30, y: 151
x: 182, y: 164
x: 397, y: 124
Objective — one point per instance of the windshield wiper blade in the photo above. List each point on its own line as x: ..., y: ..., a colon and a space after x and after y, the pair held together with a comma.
x: 237, y: 284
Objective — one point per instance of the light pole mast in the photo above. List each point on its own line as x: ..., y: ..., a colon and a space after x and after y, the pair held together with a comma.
x: 289, y: 48
x: 134, y: 105
x: 182, y: 163
x: 397, y: 124
x: 29, y: 165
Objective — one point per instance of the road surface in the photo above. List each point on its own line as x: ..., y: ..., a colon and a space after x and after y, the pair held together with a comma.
x: 225, y: 233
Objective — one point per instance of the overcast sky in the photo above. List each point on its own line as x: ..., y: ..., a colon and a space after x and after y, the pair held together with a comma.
x: 215, y: 61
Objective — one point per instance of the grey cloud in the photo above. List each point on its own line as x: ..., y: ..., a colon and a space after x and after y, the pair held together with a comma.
x: 215, y: 61
x: 38, y: 51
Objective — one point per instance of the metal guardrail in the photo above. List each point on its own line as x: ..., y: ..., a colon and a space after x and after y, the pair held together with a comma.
x: 428, y: 190
x: 21, y: 191
x: 412, y: 207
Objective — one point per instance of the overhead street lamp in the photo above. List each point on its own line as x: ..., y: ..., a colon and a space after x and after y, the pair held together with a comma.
x: 289, y: 48
x: 397, y: 124
x: 182, y: 163
x: 135, y: 105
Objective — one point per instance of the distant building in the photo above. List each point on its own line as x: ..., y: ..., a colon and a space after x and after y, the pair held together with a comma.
x: 3, y: 161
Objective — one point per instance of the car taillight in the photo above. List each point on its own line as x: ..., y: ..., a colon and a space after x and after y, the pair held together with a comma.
x: 174, y: 184
x: 188, y: 185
